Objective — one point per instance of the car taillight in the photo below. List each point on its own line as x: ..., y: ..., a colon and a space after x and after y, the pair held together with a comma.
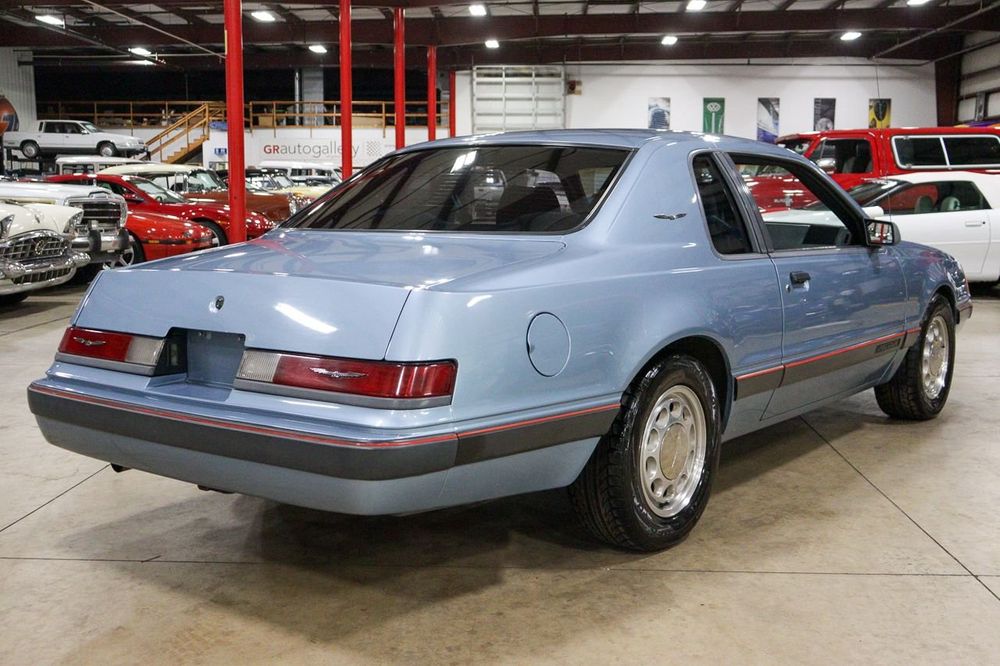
x: 402, y: 384
x: 120, y: 351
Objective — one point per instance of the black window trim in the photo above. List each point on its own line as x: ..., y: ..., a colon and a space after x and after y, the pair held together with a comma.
x: 944, y: 150
x: 726, y: 167
x: 815, y: 179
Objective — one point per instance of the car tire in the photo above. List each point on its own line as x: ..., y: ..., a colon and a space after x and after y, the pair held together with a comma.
x: 107, y: 149
x: 216, y: 230
x: 30, y: 150
x: 130, y: 256
x: 8, y: 300
x: 920, y: 387
x: 636, y: 492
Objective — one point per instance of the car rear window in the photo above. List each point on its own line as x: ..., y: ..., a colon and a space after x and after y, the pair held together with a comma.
x: 947, y: 151
x: 973, y: 150
x: 484, y: 189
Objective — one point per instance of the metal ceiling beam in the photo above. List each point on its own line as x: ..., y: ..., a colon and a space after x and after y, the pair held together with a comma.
x: 468, y: 31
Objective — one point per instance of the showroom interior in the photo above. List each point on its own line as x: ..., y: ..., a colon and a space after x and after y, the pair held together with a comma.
x: 857, y: 528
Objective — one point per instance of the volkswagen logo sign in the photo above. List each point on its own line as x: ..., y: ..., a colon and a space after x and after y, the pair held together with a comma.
x: 219, y: 302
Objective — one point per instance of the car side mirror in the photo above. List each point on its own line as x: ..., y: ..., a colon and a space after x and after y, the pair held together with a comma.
x: 827, y: 164
x: 132, y: 199
x: 874, y: 211
x: 882, y: 232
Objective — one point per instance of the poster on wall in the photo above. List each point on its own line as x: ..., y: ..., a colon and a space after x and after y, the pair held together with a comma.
x: 768, y: 116
x: 824, y: 113
x: 713, y: 115
x: 658, y: 112
x: 879, y: 112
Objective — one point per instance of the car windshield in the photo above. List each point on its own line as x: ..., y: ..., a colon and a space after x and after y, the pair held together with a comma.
x: 485, y: 189
x: 282, y: 180
x: 89, y: 127
x: 161, y: 194
x: 204, y: 181
x: 866, y: 194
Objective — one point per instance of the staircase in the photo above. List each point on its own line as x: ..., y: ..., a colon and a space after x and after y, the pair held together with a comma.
x: 184, y: 137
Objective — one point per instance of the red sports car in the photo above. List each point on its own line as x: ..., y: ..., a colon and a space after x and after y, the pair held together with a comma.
x: 146, y: 196
x: 157, y: 236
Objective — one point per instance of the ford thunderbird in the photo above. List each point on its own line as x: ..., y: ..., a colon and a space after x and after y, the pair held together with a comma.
x: 485, y: 316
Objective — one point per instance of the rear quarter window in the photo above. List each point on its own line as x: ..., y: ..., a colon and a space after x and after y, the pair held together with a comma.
x: 973, y: 150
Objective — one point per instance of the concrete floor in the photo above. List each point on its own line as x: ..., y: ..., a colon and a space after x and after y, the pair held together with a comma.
x: 840, y: 536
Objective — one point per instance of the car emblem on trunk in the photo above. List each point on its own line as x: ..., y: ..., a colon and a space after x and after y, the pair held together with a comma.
x: 219, y: 302
x: 337, y: 374
x: 89, y: 343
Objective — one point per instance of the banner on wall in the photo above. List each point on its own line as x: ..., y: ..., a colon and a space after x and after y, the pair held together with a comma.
x: 879, y: 112
x: 824, y: 113
x: 768, y: 118
x: 713, y: 115
x: 658, y: 112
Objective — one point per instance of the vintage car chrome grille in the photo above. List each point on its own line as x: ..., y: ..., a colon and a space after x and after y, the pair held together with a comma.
x: 102, y: 214
x: 34, y: 247
x: 43, y: 276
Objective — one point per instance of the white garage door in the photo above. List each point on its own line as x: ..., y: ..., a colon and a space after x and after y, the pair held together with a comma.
x: 518, y: 98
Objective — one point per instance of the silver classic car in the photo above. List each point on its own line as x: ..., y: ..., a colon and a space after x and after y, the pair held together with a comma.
x: 485, y: 316
x: 99, y: 231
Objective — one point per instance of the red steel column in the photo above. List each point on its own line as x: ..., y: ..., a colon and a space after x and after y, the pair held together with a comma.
x: 451, y: 103
x: 399, y: 76
x: 346, y: 141
x: 432, y: 58
x: 233, y: 11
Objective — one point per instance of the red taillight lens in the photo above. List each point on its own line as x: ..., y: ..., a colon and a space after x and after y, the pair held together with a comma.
x: 373, y: 379
x: 135, y: 353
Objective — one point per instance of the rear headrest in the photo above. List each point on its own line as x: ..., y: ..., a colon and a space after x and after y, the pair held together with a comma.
x: 521, y: 204
x: 924, y: 205
x: 950, y: 204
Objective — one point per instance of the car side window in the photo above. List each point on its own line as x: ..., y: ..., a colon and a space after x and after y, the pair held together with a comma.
x: 71, y: 128
x: 726, y: 226
x: 936, y: 197
x: 798, y: 213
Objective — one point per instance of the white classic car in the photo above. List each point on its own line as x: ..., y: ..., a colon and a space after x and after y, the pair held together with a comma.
x: 955, y: 211
x: 99, y: 231
x: 60, y: 137
x: 33, y: 252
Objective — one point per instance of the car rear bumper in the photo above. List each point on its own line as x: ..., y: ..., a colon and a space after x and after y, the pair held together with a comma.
x: 330, y: 472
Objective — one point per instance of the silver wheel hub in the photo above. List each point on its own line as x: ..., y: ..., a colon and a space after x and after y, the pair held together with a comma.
x: 934, y: 358
x: 672, y: 454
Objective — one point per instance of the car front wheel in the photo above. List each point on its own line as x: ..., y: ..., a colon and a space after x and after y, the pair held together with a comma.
x: 107, y: 149
x: 920, y: 387
x: 649, y: 479
x: 30, y: 150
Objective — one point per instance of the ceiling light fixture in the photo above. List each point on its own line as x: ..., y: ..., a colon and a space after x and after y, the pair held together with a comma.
x: 492, y: 44
x: 850, y: 36
x: 669, y: 40
x: 263, y: 16
x: 477, y: 10
x: 917, y: 3
x: 317, y: 48
x: 141, y: 51
x: 51, y: 20
x: 696, y: 5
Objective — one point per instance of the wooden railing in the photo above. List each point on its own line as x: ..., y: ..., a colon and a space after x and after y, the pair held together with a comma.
x: 268, y: 114
x: 186, y: 133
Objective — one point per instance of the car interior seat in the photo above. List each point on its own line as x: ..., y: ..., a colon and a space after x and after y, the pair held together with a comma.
x: 949, y: 204
x: 924, y: 205
x: 520, y: 206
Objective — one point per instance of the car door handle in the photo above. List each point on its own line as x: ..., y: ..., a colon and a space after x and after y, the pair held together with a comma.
x: 799, y: 277
x: 975, y: 223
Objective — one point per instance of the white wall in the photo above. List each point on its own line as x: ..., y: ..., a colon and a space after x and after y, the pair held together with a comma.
x: 320, y: 144
x: 17, y: 84
x: 617, y: 95
x: 980, y: 73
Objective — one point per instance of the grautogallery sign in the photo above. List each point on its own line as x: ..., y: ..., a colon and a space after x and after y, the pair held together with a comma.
x: 368, y: 146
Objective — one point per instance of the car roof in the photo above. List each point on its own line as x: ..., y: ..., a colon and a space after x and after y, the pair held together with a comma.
x: 89, y: 159
x: 608, y: 138
x: 146, y: 167
x: 52, y: 189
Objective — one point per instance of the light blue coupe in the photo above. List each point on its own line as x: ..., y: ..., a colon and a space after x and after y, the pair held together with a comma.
x: 484, y: 316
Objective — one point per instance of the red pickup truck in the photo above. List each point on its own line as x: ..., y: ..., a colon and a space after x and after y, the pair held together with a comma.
x: 854, y: 156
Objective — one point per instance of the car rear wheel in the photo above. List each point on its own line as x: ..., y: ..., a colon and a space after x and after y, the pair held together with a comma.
x: 30, y: 150
x: 920, y: 387
x: 650, y: 477
x: 106, y: 149
x: 217, y: 231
